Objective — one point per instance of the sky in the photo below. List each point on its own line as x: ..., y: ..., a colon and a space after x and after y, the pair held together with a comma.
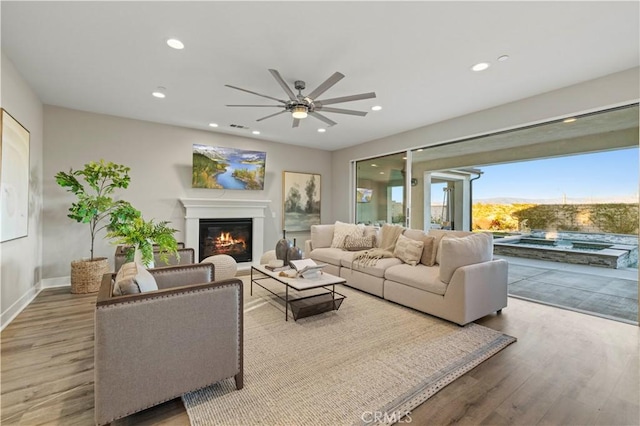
x: 597, y: 175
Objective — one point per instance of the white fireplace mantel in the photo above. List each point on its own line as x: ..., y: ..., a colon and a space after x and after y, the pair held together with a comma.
x: 219, y: 208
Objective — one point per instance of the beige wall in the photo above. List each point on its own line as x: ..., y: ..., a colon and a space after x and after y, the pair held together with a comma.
x: 21, y: 258
x: 611, y: 90
x: 160, y: 158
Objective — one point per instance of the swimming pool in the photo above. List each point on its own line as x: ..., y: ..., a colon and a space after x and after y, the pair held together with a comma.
x: 604, y: 250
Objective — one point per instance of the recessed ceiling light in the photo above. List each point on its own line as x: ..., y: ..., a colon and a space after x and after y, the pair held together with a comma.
x: 213, y: 125
x: 321, y: 130
x: 374, y: 165
x: 256, y: 132
x: 503, y: 58
x: 420, y: 150
x: 175, y: 43
x: 569, y: 120
x: 159, y: 92
x: 381, y: 173
x: 481, y: 66
x: 404, y: 158
x: 376, y: 108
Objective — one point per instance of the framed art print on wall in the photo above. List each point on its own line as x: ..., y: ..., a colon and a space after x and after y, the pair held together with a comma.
x: 216, y: 167
x: 14, y: 178
x: 300, y: 201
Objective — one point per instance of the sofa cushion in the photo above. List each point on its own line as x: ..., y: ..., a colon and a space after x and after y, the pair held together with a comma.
x: 420, y: 276
x: 332, y: 256
x: 359, y: 243
x: 321, y: 236
x: 428, y: 251
x: 133, y: 278
x: 408, y: 250
x: 457, y: 252
x: 145, y: 280
x: 342, y: 230
x: 376, y: 270
x: 372, y: 231
x: 125, y: 280
x: 439, y: 234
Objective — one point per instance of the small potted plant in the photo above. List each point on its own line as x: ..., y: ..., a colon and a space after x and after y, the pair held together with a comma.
x: 141, y: 237
x: 93, y: 186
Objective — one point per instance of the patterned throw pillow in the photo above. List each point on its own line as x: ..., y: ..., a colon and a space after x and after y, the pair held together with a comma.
x: 408, y: 250
x: 341, y: 230
x: 359, y: 243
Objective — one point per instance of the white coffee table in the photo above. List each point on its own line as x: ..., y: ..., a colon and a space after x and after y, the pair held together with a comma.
x: 301, y: 306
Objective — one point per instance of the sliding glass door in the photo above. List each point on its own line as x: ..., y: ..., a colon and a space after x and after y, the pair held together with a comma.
x: 380, y: 190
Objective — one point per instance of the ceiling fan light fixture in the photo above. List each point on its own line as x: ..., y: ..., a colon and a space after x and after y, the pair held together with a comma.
x: 299, y: 112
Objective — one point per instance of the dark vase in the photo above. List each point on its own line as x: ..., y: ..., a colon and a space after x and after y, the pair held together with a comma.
x: 282, y: 248
x: 294, y: 252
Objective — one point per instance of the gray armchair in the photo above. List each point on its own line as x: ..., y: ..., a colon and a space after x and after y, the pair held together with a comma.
x: 155, y: 346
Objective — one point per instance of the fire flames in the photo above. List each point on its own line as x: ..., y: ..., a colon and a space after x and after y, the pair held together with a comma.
x: 225, y: 243
x: 225, y: 240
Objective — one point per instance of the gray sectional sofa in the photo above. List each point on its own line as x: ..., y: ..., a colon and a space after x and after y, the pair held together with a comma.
x: 457, y: 278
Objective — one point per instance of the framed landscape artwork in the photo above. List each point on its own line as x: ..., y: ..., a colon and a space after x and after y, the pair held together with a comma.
x: 14, y: 178
x: 216, y: 167
x: 301, y: 201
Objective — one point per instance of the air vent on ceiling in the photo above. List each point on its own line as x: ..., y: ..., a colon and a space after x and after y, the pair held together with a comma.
x: 238, y: 126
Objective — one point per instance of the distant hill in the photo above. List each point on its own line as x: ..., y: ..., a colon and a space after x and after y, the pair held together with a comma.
x: 630, y: 199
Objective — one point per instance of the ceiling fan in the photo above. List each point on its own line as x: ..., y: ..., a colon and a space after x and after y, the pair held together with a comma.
x: 302, y: 105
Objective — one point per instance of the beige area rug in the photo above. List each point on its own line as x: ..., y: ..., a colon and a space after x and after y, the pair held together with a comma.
x: 370, y: 360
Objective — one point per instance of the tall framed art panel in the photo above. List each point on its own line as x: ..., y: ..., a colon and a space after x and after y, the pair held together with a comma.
x: 300, y: 201
x: 14, y: 178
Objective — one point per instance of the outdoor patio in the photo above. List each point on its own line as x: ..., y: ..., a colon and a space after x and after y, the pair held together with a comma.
x: 603, y: 292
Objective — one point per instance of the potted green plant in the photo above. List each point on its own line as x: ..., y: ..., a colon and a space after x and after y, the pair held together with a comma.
x: 93, y: 186
x: 141, y: 237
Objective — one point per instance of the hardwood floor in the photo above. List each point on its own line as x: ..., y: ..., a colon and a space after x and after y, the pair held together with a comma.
x: 566, y: 369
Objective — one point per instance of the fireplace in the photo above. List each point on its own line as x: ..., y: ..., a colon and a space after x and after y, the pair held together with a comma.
x: 226, y: 236
x: 225, y: 208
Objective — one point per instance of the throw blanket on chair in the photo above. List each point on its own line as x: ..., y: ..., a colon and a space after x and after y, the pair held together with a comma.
x: 388, y: 236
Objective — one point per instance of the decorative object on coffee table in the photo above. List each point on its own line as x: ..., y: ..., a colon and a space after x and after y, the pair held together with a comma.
x: 301, y: 201
x: 294, y: 253
x: 282, y: 247
x: 94, y: 204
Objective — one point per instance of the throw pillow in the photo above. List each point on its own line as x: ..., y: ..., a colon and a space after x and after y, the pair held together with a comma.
x: 359, y: 243
x: 341, y: 230
x: 429, y: 251
x: 408, y: 250
x: 439, y: 234
x: 125, y: 280
x: 463, y: 251
x: 145, y: 280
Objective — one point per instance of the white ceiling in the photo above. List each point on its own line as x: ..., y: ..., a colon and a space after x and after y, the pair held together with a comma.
x: 107, y: 57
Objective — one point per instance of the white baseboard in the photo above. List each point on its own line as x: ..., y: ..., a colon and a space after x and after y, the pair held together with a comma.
x: 56, y: 282
x: 19, y: 305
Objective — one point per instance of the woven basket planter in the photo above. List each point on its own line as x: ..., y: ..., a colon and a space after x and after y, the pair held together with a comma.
x: 86, y: 275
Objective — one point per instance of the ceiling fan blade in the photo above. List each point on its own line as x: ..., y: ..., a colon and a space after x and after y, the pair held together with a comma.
x: 341, y: 111
x: 323, y: 118
x: 336, y: 77
x: 283, y: 84
x: 296, y: 122
x: 272, y: 115
x: 268, y: 106
x: 254, y: 93
x: 346, y: 98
